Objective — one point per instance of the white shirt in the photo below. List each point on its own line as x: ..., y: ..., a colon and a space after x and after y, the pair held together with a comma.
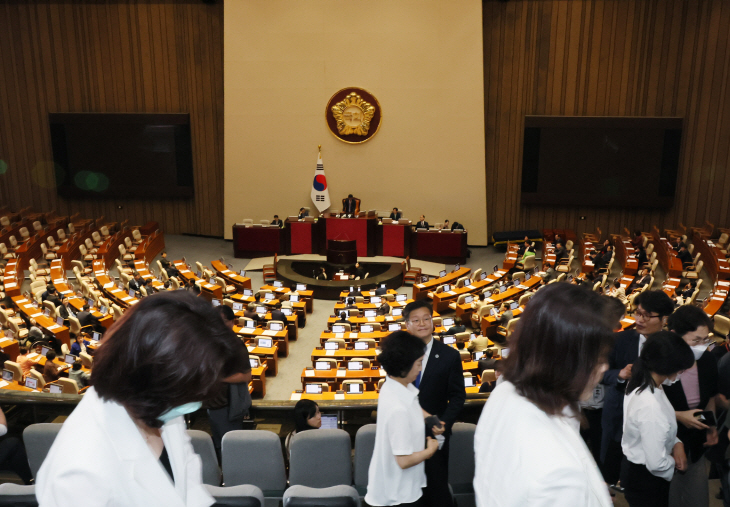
x: 429, y: 345
x: 400, y: 431
x: 525, y: 457
x: 650, y: 431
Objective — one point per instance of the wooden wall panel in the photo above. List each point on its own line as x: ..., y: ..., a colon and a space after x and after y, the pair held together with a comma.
x: 609, y: 58
x: 148, y: 56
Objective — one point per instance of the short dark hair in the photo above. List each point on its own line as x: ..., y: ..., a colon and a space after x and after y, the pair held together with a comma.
x: 489, y: 353
x: 167, y: 350
x: 415, y: 305
x: 499, y: 366
x: 349, y: 195
x: 304, y: 410
x: 76, y: 366
x: 655, y: 301
x: 688, y: 318
x: 399, y: 350
x: 614, y: 310
x: 85, y: 307
x: 561, y: 338
x: 226, y: 312
x: 23, y: 350
x: 276, y: 216
x: 50, y: 355
x: 664, y: 353
x: 196, y: 288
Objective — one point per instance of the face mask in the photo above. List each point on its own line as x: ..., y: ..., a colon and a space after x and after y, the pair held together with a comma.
x: 698, y: 350
x: 188, y: 408
x: 668, y: 382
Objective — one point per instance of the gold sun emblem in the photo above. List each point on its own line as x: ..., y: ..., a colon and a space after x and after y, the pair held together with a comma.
x: 353, y: 115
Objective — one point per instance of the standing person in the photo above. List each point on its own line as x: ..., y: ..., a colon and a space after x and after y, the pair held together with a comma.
x: 159, y: 361
x: 527, y: 443
x: 396, y: 474
x: 653, y: 310
x: 650, y: 445
x: 442, y: 393
x: 692, y: 393
x: 230, y: 403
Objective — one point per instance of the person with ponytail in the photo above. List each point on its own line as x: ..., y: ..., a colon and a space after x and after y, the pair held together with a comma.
x: 650, y: 445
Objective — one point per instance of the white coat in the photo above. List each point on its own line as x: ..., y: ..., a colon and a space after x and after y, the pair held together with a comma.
x: 100, y: 458
x: 525, y: 457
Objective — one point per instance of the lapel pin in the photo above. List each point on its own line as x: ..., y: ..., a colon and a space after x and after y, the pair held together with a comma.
x: 437, y: 356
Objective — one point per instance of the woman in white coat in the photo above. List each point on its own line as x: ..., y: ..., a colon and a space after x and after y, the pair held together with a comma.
x: 528, y: 447
x: 125, y: 443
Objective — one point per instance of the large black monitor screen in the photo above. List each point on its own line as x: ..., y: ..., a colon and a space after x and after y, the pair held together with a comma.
x: 600, y: 161
x: 122, y: 155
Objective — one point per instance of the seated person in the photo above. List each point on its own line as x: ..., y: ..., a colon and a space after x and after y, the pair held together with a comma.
x: 384, y: 308
x: 342, y: 318
x: 488, y: 387
x: 681, y: 295
x: 351, y: 304
x: 560, y: 253
x: 250, y: 313
x: 277, y: 222
x: 81, y: 378
x: 685, y: 256
x: 488, y: 362
x: 79, y: 344
x: 349, y: 205
x: 195, y: 289
x: 168, y: 266
x: 505, y: 318
x: 306, y: 417
x: 86, y: 318
x: 479, y: 344
x: 395, y: 214
x: 50, y: 370
x: 23, y: 361
x: 277, y: 314
x: 643, y: 279
x: 302, y: 213
x: 641, y: 256
x: 616, y: 291
x: 12, y: 455
x: 53, y: 296
x: 604, y: 247
x: 137, y: 283
x: 422, y: 224
x: 355, y: 292
x: 524, y: 246
x: 677, y: 244
x: 463, y: 353
x: 65, y: 310
x: 457, y: 227
x: 320, y: 274
x: 381, y: 290
x: 357, y: 271
x: 638, y: 240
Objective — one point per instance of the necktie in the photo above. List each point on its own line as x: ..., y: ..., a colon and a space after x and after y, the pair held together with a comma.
x: 418, y: 380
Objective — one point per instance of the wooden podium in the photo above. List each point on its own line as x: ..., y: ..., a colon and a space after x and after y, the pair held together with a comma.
x: 341, y: 251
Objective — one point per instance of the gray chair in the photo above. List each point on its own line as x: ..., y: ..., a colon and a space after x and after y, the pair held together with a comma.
x: 238, y: 496
x: 364, y: 445
x: 335, y: 496
x: 320, y: 459
x: 267, y: 471
x: 17, y: 495
x: 203, y: 447
x: 461, y: 463
x: 38, y: 439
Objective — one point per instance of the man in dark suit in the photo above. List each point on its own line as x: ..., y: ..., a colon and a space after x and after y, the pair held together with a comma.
x: 350, y: 304
x: 168, y: 266
x: 488, y: 362
x: 381, y: 290
x: 559, y: 253
x: 137, y: 283
x: 641, y: 256
x: 642, y: 280
x: 355, y: 292
x: 422, y: 224
x: 86, y: 318
x: 653, y: 309
x: 684, y: 256
x: 442, y: 393
x: 523, y: 247
x: 395, y: 214
x: 277, y: 314
x: 53, y: 296
x: 250, y: 312
x: 302, y: 213
x: 457, y: 227
x: 349, y: 205
x: 277, y: 222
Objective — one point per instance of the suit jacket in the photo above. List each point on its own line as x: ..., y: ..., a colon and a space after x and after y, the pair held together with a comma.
x: 625, y: 351
x: 277, y: 222
x: 692, y: 439
x: 395, y: 216
x: 422, y: 225
x: 279, y: 315
x: 685, y: 257
x: 134, y: 285
x: 559, y: 254
x: 87, y: 319
x: 380, y: 291
x: 303, y: 214
x: 53, y: 298
x: 119, y: 469
x: 349, y: 206
x: 441, y: 391
x: 486, y: 364
x: 63, y: 311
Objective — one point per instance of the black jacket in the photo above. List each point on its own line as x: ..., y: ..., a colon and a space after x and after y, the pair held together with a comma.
x: 422, y: 225
x: 442, y: 391
x: 625, y: 351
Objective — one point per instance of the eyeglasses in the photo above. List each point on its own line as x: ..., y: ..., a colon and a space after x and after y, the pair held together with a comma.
x: 645, y: 315
x: 701, y: 341
x: 427, y: 320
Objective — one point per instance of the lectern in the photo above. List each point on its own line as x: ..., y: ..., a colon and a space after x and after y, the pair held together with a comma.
x: 341, y: 251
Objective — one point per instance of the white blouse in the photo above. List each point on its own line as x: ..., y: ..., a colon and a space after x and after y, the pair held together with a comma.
x: 400, y: 431
x: 650, y: 431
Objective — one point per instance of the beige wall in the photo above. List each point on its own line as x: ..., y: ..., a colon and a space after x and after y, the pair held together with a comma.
x: 422, y: 59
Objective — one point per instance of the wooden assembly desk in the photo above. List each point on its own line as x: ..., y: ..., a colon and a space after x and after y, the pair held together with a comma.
x: 421, y: 290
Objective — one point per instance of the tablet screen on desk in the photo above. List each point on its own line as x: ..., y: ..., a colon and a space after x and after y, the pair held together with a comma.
x: 494, y: 312
x: 503, y: 288
x: 504, y: 352
x: 442, y: 273
x: 242, y: 272
x: 96, y: 336
x: 254, y: 362
x: 495, y: 268
x: 294, y: 298
x: 47, y: 312
x: 478, y: 355
x: 394, y: 327
x: 331, y: 345
x: 449, y: 340
x: 513, y: 306
x: 237, y: 307
x: 260, y: 309
x: 301, y: 286
x: 69, y: 359
x: 45, y: 351
x: 397, y: 312
x: 250, y: 324
x: 487, y: 293
x: 456, y: 267
x: 31, y: 382
x: 448, y: 322
x: 362, y: 345
x: 268, y: 296
x: 370, y: 313
x: 216, y: 302
x: 401, y: 297
x: 7, y: 375
x: 468, y: 299
x: 483, y: 276
x: 375, y: 299
x: 56, y: 389
x: 352, y: 289
x: 527, y: 276
x: 321, y: 365
x: 329, y: 421
x: 286, y: 311
x: 338, y: 329
x: 104, y: 310
x: 354, y: 365
x: 276, y: 326
x: 468, y: 381
x: 59, y: 321
x: 366, y: 328
x: 265, y: 342
x: 314, y: 389
x: 277, y: 283
x: 247, y: 292
x: 354, y: 388
x: 447, y: 287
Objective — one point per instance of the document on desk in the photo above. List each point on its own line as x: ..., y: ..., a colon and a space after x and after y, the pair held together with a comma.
x: 296, y: 396
x: 470, y: 287
x: 451, y: 293
x: 339, y: 396
x: 341, y: 373
x: 353, y: 335
x: 269, y: 332
x: 420, y: 286
x: 309, y: 373
x: 250, y: 348
x: 372, y: 319
x: 382, y: 372
x: 4, y: 383
x: 339, y: 335
x: 53, y: 327
x: 330, y: 352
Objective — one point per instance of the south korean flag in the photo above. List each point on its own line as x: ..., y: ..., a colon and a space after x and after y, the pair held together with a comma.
x: 320, y: 193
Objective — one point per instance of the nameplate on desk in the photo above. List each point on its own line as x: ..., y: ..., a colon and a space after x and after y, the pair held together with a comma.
x: 488, y: 300
x: 36, y: 315
x: 184, y: 271
x: 21, y: 300
x: 339, y: 335
x: 309, y: 373
x: 247, y: 330
x: 523, y: 287
x: 500, y: 272
x: 59, y: 280
x: 341, y: 373
x: 269, y: 332
x: 53, y: 327
x: 109, y: 285
x: 470, y: 287
x: 330, y: 352
x: 296, y: 396
x: 339, y: 396
x: 10, y: 286
x: 33, y: 355
x: 127, y: 298
x: 451, y: 293
x: 67, y: 292
x: 146, y: 276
